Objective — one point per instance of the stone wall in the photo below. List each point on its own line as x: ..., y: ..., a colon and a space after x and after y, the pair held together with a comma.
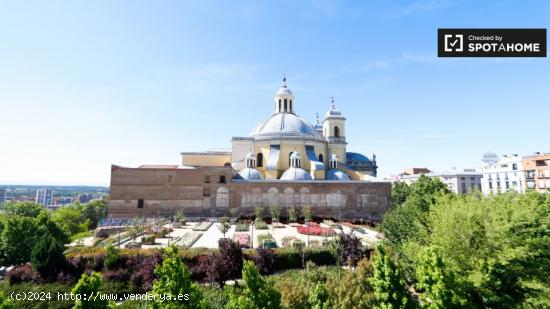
x: 201, y: 192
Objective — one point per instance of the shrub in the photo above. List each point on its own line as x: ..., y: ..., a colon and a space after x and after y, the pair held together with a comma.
x: 287, y: 240
x: 112, y: 257
x: 261, y: 225
x: 267, y: 241
x: 315, y: 229
x: 225, y: 264
x: 23, y: 273
x: 265, y: 260
x: 256, y: 293
x: 47, y: 257
x: 242, y: 227
x: 148, y: 239
x: 203, y: 226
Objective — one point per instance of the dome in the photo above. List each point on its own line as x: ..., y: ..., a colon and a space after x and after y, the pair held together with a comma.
x: 249, y: 174
x: 334, y: 174
x: 284, y: 91
x: 295, y: 173
x: 490, y: 157
x: 333, y: 111
x: 285, y: 124
x: 356, y: 157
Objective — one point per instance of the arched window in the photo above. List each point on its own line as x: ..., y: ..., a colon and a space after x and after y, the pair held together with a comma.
x: 336, y: 132
x: 279, y: 105
x: 290, y: 106
x: 289, y: 159
x: 260, y: 160
x: 321, y: 158
x: 285, y: 105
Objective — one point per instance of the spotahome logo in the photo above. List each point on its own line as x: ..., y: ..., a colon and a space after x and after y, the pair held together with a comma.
x: 491, y: 42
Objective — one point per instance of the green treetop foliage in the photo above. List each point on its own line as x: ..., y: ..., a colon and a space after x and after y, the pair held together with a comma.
x: 495, y: 247
x: 24, y: 209
x: 89, y: 286
x: 256, y: 293
x: 400, y: 191
x: 389, y: 287
x: 440, y: 289
x: 47, y: 256
x: 18, y: 233
x: 174, y: 279
x: 224, y: 225
x: 275, y: 212
x: 292, y: 214
x: 407, y: 219
x: 259, y: 212
x: 307, y: 213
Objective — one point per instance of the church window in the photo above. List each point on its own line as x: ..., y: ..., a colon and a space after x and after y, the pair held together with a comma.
x: 260, y: 160
x: 140, y: 203
x: 222, y: 179
x: 279, y: 105
x: 321, y: 158
x: 285, y: 105
x: 336, y: 132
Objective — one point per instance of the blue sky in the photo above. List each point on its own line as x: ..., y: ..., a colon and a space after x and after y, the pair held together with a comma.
x: 86, y: 84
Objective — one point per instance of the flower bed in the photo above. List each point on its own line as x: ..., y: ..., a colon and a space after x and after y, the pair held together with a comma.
x: 203, y: 226
x: 315, y: 229
x: 242, y: 239
x: 188, y: 239
x: 278, y: 225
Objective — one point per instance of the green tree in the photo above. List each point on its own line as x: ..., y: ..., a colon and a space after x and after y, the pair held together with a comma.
x: 71, y: 219
x: 389, y: 287
x: 224, y: 225
x: 400, y: 191
x: 47, y: 257
x: 174, y: 279
x: 256, y: 293
x: 307, y: 213
x: 440, y: 290
x: 275, y: 212
x: 259, y: 212
x: 24, y: 209
x: 292, y: 214
x: 88, y: 288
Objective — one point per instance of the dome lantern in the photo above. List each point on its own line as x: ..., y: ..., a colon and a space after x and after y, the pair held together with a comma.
x: 250, y: 160
x: 284, y: 99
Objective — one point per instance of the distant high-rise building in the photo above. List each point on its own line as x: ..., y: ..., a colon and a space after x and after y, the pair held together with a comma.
x: 3, y: 195
x: 85, y: 198
x: 44, y: 197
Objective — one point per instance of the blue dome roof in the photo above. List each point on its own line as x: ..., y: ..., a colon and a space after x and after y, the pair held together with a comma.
x: 249, y: 174
x: 335, y: 174
x: 294, y: 173
x: 357, y: 157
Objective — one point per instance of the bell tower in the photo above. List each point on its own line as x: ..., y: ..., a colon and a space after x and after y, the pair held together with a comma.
x: 334, y: 130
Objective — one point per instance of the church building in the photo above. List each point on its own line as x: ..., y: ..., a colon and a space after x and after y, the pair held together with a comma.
x: 285, y: 161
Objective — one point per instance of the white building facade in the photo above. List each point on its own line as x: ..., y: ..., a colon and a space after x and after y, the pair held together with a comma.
x: 457, y: 181
x: 502, y: 174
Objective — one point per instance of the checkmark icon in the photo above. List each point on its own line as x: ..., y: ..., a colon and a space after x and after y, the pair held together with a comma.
x: 453, y: 43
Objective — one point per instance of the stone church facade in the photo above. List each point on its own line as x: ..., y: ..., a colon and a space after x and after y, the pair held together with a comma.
x: 285, y: 162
